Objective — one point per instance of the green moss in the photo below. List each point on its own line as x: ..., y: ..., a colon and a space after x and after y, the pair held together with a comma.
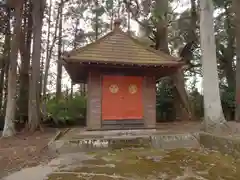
x: 142, y: 163
x: 223, y: 144
x: 63, y: 176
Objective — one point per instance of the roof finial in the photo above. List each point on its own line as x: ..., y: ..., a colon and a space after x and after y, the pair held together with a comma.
x: 117, y: 23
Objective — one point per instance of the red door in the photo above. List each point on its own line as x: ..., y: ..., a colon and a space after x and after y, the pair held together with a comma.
x: 133, y: 105
x: 122, y: 98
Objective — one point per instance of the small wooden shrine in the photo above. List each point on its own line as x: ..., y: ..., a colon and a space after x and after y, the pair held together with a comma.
x: 121, y: 76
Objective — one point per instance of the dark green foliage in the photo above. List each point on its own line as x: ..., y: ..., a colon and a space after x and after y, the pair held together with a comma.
x: 165, y: 103
x: 109, y: 4
x: 196, y: 100
x: 228, y: 97
x: 221, y: 3
x: 67, y: 110
x: 228, y: 101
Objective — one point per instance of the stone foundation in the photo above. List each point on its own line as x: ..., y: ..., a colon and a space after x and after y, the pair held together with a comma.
x: 122, y: 141
x: 226, y: 145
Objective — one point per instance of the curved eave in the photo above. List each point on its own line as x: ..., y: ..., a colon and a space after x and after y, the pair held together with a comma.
x: 149, y: 64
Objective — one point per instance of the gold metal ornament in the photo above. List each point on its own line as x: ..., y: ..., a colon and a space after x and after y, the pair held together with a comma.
x: 132, y: 89
x: 113, y: 88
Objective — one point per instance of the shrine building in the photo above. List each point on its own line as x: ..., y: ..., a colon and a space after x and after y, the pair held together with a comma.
x: 121, y: 75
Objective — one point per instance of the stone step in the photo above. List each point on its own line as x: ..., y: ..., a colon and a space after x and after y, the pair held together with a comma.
x: 116, y: 132
x: 173, y: 141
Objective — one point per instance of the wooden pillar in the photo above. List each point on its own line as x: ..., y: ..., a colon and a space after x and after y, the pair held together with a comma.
x: 149, y: 101
x: 94, y: 101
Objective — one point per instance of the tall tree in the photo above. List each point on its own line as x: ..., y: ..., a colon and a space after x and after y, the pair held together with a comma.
x: 12, y: 71
x: 187, y: 55
x: 6, y: 54
x: 225, y: 41
x: 236, y: 5
x: 25, y: 51
x: 212, y: 104
x: 59, y: 64
x: 49, y: 47
x: 34, y: 88
x: 156, y: 28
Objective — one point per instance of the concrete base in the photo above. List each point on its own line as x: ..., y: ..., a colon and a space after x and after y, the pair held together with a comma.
x: 169, y: 135
x: 118, y: 132
x: 172, y: 141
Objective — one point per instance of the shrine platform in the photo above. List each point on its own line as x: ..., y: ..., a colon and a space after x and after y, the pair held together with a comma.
x: 165, y: 136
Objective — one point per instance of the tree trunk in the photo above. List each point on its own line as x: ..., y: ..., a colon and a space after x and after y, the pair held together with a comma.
x: 6, y: 69
x: 7, y: 62
x: 180, y: 95
x: 236, y: 5
x: 229, y: 52
x: 186, y: 54
x: 9, y: 129
x: 71, y: 90
x: 34, y: 88
x: 6, y: 56
x: 41, y: 77
x: 186, y: 111
x: 213, y: 114
x: 25, y: 50
x: 162, y: 30
x: 59, y: 64
x: 49, y: 48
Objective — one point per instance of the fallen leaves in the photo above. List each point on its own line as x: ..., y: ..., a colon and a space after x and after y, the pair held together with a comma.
x: 24, y: 150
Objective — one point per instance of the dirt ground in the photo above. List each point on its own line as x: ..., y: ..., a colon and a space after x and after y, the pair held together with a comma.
x: 25, y: 150
x: 28, y: 150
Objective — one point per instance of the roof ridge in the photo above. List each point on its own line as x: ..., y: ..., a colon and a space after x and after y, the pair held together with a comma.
x: 135, y: 41
x: 112, y: 51
x: 77, y: 50
x: 157, y: 52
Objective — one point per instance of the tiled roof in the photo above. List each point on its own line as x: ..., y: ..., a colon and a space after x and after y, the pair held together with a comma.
x: 120, y: 48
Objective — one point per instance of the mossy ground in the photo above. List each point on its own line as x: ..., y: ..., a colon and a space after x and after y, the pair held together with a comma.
x: 143, y: 163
